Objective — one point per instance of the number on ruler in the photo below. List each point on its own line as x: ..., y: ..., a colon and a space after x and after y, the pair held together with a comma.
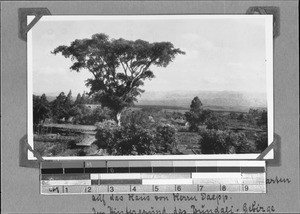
x: 88, y: 189
x: 223, y: 188
x: 200, y: 187
x: 111, y: 189
x: 177, y: 188
x: 155, y: 188
x: 133, y: 188
x: 246, y: 188
x: 54, y: 189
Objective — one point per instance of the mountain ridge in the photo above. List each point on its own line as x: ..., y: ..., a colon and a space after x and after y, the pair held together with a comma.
x: 183, y: 98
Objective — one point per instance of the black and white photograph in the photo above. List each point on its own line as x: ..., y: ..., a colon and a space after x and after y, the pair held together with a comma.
x: 150, y: 86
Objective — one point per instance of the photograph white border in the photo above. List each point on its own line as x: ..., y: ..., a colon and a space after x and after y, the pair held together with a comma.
x: 269, y: 70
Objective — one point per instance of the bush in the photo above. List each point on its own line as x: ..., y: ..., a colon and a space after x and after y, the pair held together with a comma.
x: 106, y: 135
x: 224, y: 142
x: 134, y: 140
x: 263, y: 120
x: 165, y: 138
x: 216, y: 123
x: 214, y: 142
x: 139, y: 117
x: 261, y: 142
x: 195, y: 119
x: 127, y: 140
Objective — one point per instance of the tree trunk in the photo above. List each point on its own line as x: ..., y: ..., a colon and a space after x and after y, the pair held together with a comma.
x: 119, y: 118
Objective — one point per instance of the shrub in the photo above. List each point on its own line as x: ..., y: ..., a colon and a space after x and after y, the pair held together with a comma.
x: 233, y: 115
x: 165, y: 138
x: 131, y: 139
x: 224, y: 142
x: 263, y: 120
x: 139, y: 117
x: 195, y: 119
x: 216, y: 123
x: 134, y: 140
x: 213, y: 142
x: 106, y: 135
x: 261, y: 142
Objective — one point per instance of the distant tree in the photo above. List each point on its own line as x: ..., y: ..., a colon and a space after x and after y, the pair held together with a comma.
x: 82, y: 114
x: 78, y: 99
x: 106, y: 136
x: 41, y: 108
x: 263, y: 119
x: 196, y: 105
x: 119, y: 66
x: 241, y: 116
x: 233, y: 115
x: 140, y: 118
x: 97, y: 115
x: 75, y: 111
x: 197, y: 115
x: 165, y: 138
x: 216, y: 122
x: 130, y: 139
x: 135, y: 140
x: 261, y: 142
x: 224, y: 142
x: 214, y: 142
x: 68, y: 101
x: 100, y: 114
x: 59, y: 110
x: 84, y: 98
x: 254, y: 112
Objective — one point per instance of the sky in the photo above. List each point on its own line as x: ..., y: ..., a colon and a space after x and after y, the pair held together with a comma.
x: 223, y: 53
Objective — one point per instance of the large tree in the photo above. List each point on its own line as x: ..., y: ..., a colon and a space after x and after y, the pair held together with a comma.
x: 119, y: 66
x: 59, y: 108
x: 197, y: 115
x: 41, y: 108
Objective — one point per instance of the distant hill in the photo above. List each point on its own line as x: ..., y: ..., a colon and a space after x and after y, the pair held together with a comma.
x: 208, y: 98
x: 217, y: 100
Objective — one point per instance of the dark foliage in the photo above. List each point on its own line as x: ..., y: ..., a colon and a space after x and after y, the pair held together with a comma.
x: 107, y: 134
x: 197, y: 115
x: 127, y: 140
x: 59, y: 108
x: 224, y: 142
x: 263, y: 119
x: 165, y: 138
x: 216, y: 122
x: 133, y: 139
x: 261, y: 142
x: 41, y: 109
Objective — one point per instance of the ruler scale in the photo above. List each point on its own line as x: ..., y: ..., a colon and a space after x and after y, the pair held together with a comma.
x: 118, y: 177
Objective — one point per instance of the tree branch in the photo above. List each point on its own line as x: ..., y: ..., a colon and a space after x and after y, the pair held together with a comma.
x: 125, y: 69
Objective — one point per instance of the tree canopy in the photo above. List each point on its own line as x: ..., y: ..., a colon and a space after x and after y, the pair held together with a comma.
x: 196, y: 105
x: 119, y: 66
x: 197, y: 115
x: 41, y: 108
